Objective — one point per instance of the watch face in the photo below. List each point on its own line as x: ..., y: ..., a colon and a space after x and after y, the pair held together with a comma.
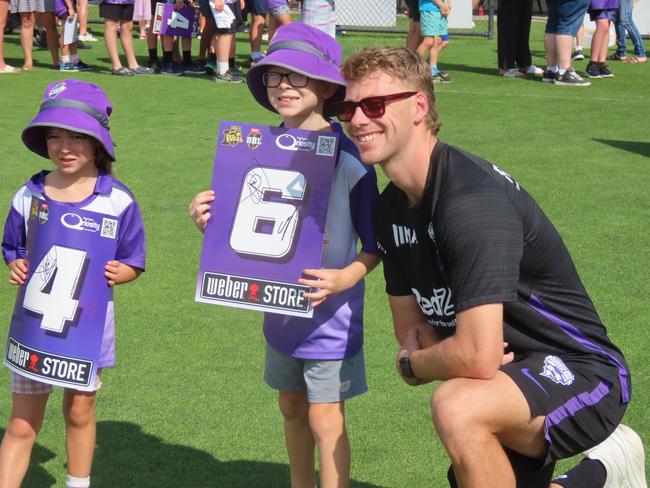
x: 405, y: 366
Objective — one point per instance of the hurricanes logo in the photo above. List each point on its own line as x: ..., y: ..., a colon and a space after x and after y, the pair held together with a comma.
x: 33, y: 210
x: 232, y: 136
x: 56, y: 90
x: 557, y: 371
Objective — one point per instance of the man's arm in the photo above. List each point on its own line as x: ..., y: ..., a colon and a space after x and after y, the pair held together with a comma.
x: 474, y: 351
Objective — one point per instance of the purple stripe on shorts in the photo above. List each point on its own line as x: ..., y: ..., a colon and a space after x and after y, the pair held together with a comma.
x: 528, y: 375
x: 572, y: 406
x: 573, y: 332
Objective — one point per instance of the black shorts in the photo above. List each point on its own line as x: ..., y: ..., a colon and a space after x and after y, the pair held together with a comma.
x: 582, y: 408
x: 414, y: 10
x: 116, y: 11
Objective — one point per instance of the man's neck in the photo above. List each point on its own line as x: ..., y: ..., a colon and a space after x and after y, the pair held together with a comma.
x: 409, y: 168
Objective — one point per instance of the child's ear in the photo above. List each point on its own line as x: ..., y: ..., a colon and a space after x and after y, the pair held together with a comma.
x: 328, y: 90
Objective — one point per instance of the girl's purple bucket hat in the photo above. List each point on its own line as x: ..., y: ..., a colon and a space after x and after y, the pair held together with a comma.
x: 304, y: 49
x: 74, y: 105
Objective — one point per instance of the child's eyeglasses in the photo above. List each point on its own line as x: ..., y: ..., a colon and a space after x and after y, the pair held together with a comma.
x: 372, y: 107
x: 272, y: 79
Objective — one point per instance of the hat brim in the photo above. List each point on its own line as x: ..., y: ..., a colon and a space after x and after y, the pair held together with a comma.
x: 307, y: 64
x: 65, y: 118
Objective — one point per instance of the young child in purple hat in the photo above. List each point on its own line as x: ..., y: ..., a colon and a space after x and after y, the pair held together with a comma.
x: 70, y: 129
x: 300, y: 79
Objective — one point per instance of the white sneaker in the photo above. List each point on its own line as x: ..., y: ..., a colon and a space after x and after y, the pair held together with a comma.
x: 622, y: 455
x: 534, y: 71
x: 88, y: 37
x: 513, y: 73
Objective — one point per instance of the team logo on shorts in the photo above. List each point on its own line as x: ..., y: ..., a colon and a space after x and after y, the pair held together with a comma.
x: 557, y: 371
x: 232, y: 136
x: 254, y: 138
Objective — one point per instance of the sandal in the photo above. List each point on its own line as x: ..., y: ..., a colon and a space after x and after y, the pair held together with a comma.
x: 617, y: 57
x: 635, y: 59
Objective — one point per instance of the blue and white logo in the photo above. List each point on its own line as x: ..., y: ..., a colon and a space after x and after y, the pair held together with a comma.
x: 557, y: 371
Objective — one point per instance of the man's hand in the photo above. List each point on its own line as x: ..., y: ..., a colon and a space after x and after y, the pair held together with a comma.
x: 199, y: 208
x: 117, y: 273
x: 410, y: 344
x: 18, y: 270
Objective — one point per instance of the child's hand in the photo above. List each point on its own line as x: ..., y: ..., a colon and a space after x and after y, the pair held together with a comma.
x: 326, y: 281
x: 199, y: 208
x: 179, y: 4
x: 444, y: 9
x: 117, y: 273
x: 18, y: 269
x: 71, y: 13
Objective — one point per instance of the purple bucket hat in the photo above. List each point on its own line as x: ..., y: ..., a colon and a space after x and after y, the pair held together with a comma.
x: 75, y: 105
x: 303, y: 49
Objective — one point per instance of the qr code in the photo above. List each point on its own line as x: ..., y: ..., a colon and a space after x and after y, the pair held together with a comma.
x: 325, y: 146
x: 109, y: 228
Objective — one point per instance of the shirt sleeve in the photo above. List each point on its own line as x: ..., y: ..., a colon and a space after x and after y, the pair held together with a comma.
x: 14, y: 238
x: 363, y: 200
x: 131, y: 244
x: 481, y: 242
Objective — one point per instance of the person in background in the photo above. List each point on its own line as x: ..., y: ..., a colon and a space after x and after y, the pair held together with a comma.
x: 603, y: 12
x: 414, y: 36
x: 624, y: 22
x: 435, y: 34
x: 82, y: 11
x: 31, y: 12
x: 513, y: 32
x: 65, y: 11
x: 4, y: 13
x: 320, y: 14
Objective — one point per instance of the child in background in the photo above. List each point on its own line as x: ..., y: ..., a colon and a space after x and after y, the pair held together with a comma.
x: 435, y: 35
x: 223, y: 42
x: 142, y: 15
x: 71, y: 129
x: 316, y: 364
x: 118, y: 15
x: 602, y: 12
x: 66, y: 11
x: 171, y: 67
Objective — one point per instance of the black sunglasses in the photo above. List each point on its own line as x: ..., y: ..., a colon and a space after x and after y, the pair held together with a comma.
x: 272, y: 79
x: 372, y: 107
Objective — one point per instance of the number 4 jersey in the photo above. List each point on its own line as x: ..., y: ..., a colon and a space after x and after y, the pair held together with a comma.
x: 66, y: 279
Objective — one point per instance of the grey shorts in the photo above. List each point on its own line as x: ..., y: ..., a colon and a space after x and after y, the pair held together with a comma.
x: 25, y: 386
x: 325, y: 381
x: 281, y: 10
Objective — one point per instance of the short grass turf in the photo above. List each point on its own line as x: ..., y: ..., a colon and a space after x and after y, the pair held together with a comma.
x: 186, y: 405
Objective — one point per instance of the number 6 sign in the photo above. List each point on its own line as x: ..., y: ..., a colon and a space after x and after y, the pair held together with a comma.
x: 272, y: 190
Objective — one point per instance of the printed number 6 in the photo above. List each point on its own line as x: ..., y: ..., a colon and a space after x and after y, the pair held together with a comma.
x: 59, y: 270
x: 253, y: 213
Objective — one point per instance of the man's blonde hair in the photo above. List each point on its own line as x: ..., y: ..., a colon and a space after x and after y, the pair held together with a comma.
x: 399, y: 63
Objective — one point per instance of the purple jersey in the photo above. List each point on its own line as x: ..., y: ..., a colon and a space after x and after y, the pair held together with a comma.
x: 336, y: 329
x: 109, y: 197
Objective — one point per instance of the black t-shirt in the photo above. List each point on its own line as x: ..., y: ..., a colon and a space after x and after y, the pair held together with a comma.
x: 477, y: 237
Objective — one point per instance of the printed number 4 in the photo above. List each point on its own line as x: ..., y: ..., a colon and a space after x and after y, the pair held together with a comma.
x: 267, y: 228
x: 58, y: 271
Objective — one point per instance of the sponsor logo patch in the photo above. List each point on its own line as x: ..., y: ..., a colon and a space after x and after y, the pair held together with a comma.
x: 232, y: 136
x: 43, y: 365
x: 254, y: 138
x: 271, y: 294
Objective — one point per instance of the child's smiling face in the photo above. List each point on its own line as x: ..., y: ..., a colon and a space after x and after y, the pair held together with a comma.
x: 73, y: 153
x: 297, y: 102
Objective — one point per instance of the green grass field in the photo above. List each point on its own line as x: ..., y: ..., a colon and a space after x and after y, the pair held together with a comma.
x: 186, y: 405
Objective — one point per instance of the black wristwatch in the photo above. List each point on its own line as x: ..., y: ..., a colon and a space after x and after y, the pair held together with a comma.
x: 405, y: 365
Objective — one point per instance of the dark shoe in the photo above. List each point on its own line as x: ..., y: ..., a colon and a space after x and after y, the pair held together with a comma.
x: 237, y: 72
x: 142, y: 70
x: 570, y: 78
x: 604, y: 71
x: 155, y: 66
x: 593, y: 70
x: 578, y: 55
x: 68, y: 68
x: 548, y: 75
x: 443, y: 77
x: 122, y: 71
x: 83, y: 66
x: 227, y: 77
x: 193, y: 69
x: 171, y: 69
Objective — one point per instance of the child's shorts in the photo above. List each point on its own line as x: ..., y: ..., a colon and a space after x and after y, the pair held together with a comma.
x: 206, y: 10
x: 565, y: 16
x: 433, y: 24
x: 26, y: 386
x: 116, y: 11
x: 281, y: 10
x: 610, y: 14
x: 325, y: 381
x: 258, y: 7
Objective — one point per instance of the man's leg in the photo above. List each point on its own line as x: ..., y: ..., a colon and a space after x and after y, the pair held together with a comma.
x: 475, y: 438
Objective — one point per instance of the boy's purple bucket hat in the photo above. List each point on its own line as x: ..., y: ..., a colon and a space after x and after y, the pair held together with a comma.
x: 75, y: 105
x: 304, y: 49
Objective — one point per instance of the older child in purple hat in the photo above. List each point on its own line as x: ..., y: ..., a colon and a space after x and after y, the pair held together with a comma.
x: 300, y: 79
x: 70, y: 129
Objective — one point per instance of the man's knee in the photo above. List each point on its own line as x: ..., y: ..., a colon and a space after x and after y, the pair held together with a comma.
x: 449, y: 406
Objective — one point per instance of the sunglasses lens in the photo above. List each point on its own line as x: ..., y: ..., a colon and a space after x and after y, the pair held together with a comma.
x: 345, y: 111
x: 372, y: 107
